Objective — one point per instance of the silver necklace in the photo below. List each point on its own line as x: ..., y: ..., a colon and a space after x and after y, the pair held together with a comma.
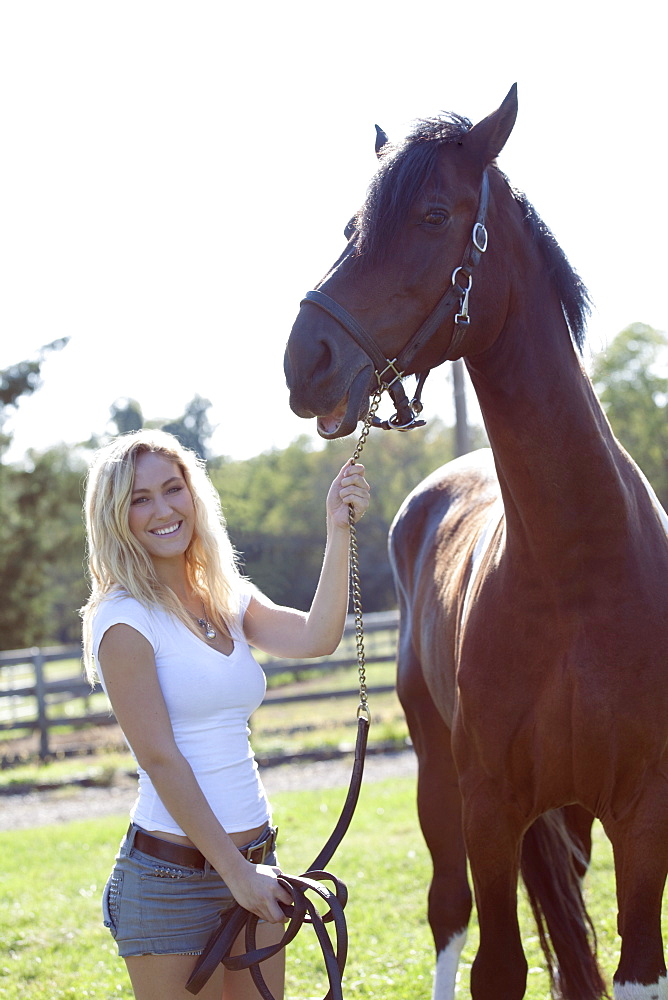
x: 209, y: 630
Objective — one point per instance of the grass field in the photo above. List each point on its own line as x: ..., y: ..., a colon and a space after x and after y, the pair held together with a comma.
x: 53, y: 945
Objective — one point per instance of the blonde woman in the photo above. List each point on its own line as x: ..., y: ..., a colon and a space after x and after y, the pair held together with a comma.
x: 167, y: 629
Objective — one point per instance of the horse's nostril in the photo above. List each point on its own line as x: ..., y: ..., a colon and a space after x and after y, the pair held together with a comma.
x: 323, y: 364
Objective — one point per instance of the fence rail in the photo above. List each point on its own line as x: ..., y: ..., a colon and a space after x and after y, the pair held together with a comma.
x: 34, y: 697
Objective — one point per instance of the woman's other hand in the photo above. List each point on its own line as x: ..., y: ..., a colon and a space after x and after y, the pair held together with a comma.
x: 259, y: 891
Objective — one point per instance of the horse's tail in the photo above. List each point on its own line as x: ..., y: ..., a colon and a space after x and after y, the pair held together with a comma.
x: 549, y: 870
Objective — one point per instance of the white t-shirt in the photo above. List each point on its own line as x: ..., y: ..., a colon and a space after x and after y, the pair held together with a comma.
x: 210, y: 698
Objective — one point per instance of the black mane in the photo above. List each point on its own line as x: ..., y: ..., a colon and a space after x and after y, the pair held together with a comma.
x: 402, y: 176
x: 572, y: 292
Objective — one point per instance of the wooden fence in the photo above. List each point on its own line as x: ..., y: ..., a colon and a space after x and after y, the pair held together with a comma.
x: 36, y: 697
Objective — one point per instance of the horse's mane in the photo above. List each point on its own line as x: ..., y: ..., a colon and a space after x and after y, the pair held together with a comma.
x: 404, y: 172
x: 572, y: 291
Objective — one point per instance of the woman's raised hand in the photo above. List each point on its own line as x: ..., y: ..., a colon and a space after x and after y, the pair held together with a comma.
x: 349, y: 489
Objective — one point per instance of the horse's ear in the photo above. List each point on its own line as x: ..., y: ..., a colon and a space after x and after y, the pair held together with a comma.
x: 488, y: 137
x: 381, y: 139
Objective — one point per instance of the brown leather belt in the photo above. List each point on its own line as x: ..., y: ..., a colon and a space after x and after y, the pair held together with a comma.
x: 190, y: 857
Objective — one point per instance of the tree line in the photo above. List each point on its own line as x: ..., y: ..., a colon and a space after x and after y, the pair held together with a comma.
x: 274, y: 502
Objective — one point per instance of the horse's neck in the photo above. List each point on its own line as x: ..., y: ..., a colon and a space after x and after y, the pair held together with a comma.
x: 561, y: 470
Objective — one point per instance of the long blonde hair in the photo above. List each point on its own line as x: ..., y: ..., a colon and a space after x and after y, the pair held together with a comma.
x: 118, y: 562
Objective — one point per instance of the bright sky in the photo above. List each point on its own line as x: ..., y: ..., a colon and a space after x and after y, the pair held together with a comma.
x: 174, y: 176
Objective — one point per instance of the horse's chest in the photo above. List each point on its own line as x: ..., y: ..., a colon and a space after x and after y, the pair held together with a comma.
x: 558, y: 708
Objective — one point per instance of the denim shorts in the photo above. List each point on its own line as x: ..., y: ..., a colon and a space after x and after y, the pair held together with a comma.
x: 153, y: 907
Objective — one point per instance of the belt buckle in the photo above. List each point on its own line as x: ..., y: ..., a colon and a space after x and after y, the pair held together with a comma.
x: 256, y: 855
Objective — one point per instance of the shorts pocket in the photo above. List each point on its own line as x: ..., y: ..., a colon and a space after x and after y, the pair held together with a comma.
x: 162, y: 872
x: 171, y: 901
x: 111, y: 901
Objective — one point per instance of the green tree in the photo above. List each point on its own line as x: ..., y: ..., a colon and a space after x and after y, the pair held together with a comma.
x: 631, y: 378
x: 274, y: 521
x: 193, y: 429
x: 42, y: 583
x: 275, y: 505
x: 126, y: 415
x: 36, y: 522
x: 22, y: 379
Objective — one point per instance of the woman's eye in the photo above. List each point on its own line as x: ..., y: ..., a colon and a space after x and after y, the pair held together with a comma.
x: 436, y: 218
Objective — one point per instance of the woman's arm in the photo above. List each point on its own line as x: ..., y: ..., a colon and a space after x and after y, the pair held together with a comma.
x: 287, y: 632
x: 131, y: 679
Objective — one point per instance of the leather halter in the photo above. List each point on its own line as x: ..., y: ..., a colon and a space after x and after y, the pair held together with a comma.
x: 390, y: 373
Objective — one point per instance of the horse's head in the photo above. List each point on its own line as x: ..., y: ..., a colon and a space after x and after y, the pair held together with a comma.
x: 404, y: 274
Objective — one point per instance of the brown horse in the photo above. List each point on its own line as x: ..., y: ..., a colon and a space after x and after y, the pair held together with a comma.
x: 532, y: 579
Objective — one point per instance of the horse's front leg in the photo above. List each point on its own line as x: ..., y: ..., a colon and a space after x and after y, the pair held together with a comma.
x: 640, y: 845
x: 439, y: 810
x: 493, y: 835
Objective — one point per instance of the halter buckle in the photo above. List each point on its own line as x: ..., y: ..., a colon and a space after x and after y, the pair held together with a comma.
x: 391, y: 366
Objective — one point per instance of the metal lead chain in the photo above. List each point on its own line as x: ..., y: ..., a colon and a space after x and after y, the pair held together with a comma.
x: 363, y: 707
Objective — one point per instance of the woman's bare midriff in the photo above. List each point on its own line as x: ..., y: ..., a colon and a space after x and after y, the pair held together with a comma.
x: 238, y: 839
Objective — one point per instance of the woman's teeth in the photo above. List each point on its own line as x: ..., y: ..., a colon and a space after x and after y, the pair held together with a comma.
x: 167, y: 531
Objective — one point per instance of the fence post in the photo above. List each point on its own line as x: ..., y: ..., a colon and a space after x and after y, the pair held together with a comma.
x: 40, y: 694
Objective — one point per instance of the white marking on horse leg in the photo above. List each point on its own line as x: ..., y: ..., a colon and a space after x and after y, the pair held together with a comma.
x: 635, y: 991
x: 446, y: 967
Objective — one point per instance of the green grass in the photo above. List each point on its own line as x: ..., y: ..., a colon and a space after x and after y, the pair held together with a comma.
x: 53, y: 945
x: 332, y: 722
x: 99, y: 769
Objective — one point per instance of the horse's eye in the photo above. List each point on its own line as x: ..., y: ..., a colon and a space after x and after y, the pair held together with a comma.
x: 350, y: 229
x: 436, y: 218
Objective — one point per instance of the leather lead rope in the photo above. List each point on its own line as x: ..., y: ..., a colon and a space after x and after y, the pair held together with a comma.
x: 303, y: 910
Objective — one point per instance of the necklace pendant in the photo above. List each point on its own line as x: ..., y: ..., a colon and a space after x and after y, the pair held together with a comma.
x: 209, y: 630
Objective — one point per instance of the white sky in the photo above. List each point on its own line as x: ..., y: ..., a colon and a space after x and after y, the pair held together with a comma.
x: 174, y: 176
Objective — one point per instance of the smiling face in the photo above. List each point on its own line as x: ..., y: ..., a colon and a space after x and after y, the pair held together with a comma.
x: 162, y: 513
